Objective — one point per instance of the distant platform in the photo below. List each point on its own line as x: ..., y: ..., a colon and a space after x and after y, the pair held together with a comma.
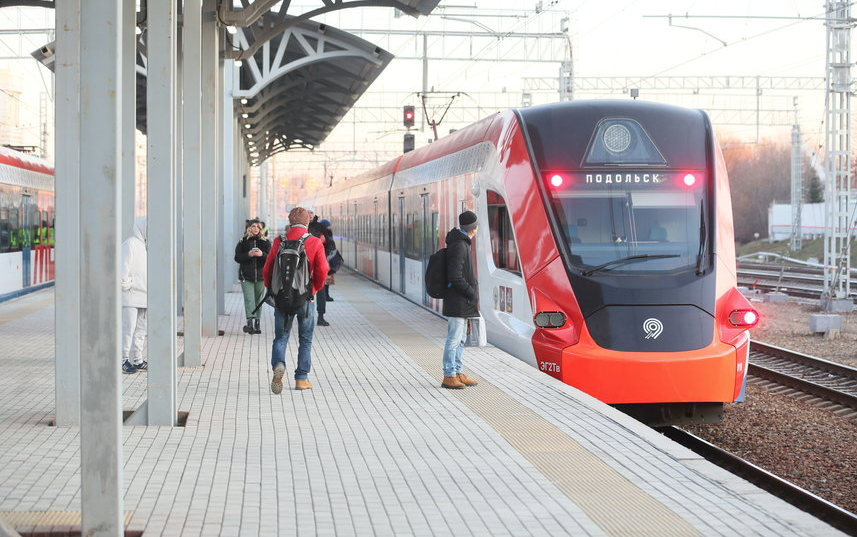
x: 376, y: 448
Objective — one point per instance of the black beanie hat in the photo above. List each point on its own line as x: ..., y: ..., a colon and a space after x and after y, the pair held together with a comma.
x: 467, y: 221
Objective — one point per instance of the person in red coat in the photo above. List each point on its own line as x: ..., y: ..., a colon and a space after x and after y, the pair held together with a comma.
x: 299, y: 219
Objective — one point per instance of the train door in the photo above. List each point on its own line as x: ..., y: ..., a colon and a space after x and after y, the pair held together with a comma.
x: 425, y: 244
x: 504, y: 298
x: 355, y: 236
x: 375, y: 230
x: 401, y: 244
x: 30, y: 219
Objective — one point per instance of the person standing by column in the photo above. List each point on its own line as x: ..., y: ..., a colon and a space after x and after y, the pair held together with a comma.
x: 461, y: 301
x: 134, y: 293
x: 251, y: 252
x: 299, y: 218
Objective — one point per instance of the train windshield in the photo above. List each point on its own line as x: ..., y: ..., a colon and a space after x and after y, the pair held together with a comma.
x: 631, y: 222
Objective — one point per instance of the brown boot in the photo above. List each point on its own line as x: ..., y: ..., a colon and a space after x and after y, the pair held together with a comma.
x: 452, y: 383
x: 303, y: 385
x: 466, y: 381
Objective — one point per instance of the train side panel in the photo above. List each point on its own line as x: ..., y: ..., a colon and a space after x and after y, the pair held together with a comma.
x: 26, y: 223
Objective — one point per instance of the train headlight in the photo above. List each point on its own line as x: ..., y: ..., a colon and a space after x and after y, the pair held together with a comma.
x: 550, y: 319
x: 617, y: 138
x: 744, y: 318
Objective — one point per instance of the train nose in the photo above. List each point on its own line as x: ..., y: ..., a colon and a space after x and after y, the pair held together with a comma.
x: 651, y: 328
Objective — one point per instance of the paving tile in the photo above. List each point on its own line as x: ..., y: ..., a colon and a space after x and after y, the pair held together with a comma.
x: 376, y: 448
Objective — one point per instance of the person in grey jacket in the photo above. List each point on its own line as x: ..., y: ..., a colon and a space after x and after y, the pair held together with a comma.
x: 134, y: 298
x: 461, y: 301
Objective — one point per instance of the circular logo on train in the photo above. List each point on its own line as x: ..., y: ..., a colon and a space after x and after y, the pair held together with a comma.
x: 653, y: 328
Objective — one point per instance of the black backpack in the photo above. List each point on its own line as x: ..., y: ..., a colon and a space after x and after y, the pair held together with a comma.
x: 435, y: 277
x: 291, y: 282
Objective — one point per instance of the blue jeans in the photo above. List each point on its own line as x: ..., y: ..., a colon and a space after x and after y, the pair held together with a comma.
x: 282, y: 330
x: 455, y: 336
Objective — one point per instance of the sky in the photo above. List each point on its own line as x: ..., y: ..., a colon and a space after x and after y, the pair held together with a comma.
x: 608, y: 38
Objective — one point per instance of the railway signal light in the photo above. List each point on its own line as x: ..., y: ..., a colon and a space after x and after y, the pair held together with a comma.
x: 408, y: 116
x: 409, y: 142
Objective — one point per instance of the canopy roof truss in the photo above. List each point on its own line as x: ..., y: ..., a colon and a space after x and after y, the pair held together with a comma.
x: 299, y: 84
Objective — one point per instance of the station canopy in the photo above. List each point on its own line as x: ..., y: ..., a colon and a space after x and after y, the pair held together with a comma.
x: 297, y: 77
x: 297, y: 85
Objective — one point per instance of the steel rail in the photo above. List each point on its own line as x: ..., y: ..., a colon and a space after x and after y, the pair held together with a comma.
x: 818, y: 507
x: 840, y: 374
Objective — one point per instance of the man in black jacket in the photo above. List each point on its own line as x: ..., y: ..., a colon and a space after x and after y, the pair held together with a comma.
x: 461, y: 300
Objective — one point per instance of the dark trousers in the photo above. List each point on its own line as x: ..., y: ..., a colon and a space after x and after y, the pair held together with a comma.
x: 321, y: 300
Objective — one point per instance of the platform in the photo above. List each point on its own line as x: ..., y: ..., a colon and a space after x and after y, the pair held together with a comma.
x: 376, y: 448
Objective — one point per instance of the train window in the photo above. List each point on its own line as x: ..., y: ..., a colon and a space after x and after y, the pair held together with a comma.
x: 409, y: 234
x: 435, y: 232
x: 394, y: 235
x: 633, y: 229
x: 504, y: 250
x: 415, y: 231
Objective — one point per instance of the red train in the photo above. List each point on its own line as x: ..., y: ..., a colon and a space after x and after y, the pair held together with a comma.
x: 605, y: 253
x: 26, y: 223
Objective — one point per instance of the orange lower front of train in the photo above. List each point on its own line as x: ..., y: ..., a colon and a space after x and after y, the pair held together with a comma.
x: 712, y: 374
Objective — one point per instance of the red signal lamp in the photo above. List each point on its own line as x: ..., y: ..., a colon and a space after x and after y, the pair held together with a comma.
x: 689, y: 179
x: 556, y: 180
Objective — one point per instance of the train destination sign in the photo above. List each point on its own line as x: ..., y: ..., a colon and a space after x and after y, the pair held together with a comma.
x: 636, y: 179
x: 626, y: 178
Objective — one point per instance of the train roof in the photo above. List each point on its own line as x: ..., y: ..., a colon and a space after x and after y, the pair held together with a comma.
x: 10, y: 157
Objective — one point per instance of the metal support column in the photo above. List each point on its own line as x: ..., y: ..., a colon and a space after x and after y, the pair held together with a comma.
x: 218, y: 185
x: 129, y: 119
x: 837, y: 160
x: 797, y: 190
x: 67, y: 188
x: 208, y: 147
x: 101, y: 103
x: 160, y: 104
x: 230, y: 237
x: 192, y: 182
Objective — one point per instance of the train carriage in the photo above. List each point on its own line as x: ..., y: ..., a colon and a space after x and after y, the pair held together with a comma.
x: 26, y: 223
x: 604, y: 254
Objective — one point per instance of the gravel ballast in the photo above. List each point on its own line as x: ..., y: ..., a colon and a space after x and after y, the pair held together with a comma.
x: 800, y: 442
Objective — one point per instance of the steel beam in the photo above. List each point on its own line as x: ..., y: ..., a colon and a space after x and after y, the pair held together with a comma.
x: 208, y: 147
x: 99, y: 311
x: 192, y: 181
x: 161, y: 120
x: 67, y: 189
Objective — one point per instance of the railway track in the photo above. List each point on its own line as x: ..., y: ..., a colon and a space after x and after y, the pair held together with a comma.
x: 830, y: 384
x: 793, y: 280
x: 832, y: 514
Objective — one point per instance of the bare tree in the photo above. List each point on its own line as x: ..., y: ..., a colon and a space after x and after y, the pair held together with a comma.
x: 759, y: 175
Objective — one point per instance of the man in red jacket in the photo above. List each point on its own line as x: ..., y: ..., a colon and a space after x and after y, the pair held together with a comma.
x: 299, y: 219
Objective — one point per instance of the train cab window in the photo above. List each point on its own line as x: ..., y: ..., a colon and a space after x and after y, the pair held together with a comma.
x: 503, y: 247
x: 633, y: 228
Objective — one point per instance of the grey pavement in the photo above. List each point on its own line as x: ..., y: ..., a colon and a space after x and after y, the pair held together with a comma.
x: 376, y: 448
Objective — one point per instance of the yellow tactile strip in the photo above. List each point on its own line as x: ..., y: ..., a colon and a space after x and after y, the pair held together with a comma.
x: 26, y: 519
x: 618, y: 506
